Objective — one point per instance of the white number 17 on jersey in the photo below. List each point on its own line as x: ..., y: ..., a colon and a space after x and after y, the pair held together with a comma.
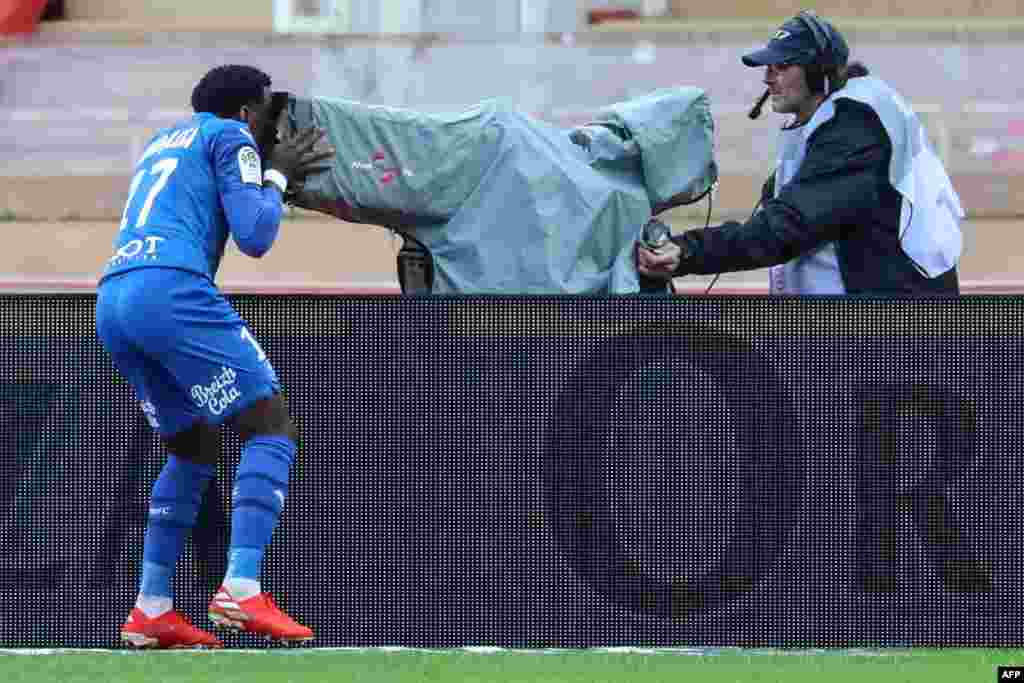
x: 162, y: 170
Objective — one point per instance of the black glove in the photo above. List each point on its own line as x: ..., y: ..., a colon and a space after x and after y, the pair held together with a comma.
x: 298, y: 156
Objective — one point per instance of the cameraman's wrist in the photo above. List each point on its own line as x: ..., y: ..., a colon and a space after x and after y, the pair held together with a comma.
x: 685, y: 252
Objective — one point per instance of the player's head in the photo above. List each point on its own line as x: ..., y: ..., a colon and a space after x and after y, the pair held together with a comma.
x: 805, y: 60
x: 234, y: 91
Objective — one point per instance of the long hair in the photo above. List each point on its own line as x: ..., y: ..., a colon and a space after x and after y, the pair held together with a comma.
x: 837, y: 77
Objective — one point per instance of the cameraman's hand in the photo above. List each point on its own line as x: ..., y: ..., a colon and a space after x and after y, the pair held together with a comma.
x: 296, y: 156
x: 660, y: 263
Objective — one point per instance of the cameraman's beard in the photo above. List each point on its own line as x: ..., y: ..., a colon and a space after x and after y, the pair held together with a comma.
x: 785, y: 104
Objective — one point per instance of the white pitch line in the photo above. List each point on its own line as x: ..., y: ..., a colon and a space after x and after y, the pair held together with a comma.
x: 486, y: 650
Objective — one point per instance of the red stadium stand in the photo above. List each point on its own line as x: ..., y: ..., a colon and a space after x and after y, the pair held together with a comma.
x: 20, y: 16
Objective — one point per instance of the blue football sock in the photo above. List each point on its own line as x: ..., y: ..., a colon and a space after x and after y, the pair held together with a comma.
x: 261, y: 486
x: 173, y: 508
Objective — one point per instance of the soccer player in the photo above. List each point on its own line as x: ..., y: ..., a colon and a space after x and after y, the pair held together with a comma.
x: 193, y: 363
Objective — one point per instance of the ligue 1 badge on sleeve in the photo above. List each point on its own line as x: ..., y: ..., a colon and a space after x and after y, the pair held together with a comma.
x: 249, y: 166
x: 1010, y: 673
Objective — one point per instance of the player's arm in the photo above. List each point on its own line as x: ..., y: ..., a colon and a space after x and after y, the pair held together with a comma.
x: 252, y: 205
x: 252, y: 199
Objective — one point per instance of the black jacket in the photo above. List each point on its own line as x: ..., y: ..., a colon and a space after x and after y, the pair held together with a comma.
x: 840, y: 194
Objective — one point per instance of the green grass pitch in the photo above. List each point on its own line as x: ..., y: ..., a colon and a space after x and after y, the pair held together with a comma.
x: 550, y: 666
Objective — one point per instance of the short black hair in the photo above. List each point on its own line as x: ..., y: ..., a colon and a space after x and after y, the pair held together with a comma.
x: 226, y: 89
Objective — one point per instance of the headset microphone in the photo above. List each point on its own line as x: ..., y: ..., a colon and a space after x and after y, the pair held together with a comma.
x: 756, y: 110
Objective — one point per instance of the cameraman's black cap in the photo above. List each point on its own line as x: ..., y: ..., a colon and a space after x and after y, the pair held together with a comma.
x: 794, y: 43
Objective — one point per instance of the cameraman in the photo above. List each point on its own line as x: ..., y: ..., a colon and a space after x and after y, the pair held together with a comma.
x: 858, y: 203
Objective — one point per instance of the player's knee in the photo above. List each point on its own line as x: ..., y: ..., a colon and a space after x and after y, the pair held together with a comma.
x: 286, y: 429
x: 267, y: 417
x: 279, y: 427
x: 200, y: 443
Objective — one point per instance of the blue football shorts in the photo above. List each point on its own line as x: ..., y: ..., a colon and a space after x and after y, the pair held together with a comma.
x: 182, y: 346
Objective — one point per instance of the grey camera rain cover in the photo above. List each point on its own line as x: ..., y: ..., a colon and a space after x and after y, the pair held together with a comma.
x: 506, y: 203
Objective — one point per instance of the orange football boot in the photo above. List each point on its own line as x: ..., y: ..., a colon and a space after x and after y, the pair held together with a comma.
x: 170, y: 630
x: 258, y: 615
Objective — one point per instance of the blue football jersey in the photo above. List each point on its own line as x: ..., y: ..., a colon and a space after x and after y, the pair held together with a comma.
x: 175, y: 213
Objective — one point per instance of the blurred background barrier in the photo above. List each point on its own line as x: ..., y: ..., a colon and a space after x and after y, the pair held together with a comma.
x: 80, y: 97
x: 556, y: 472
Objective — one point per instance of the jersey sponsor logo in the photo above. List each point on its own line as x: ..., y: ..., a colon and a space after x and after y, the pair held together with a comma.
x: 219, y: 393
x: 249, y: 166
x: 144, y: 249
x: 178, y: 139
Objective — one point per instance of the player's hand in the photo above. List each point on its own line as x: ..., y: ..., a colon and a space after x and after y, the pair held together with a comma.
x: 299, y: 155
x: 660, y: 263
